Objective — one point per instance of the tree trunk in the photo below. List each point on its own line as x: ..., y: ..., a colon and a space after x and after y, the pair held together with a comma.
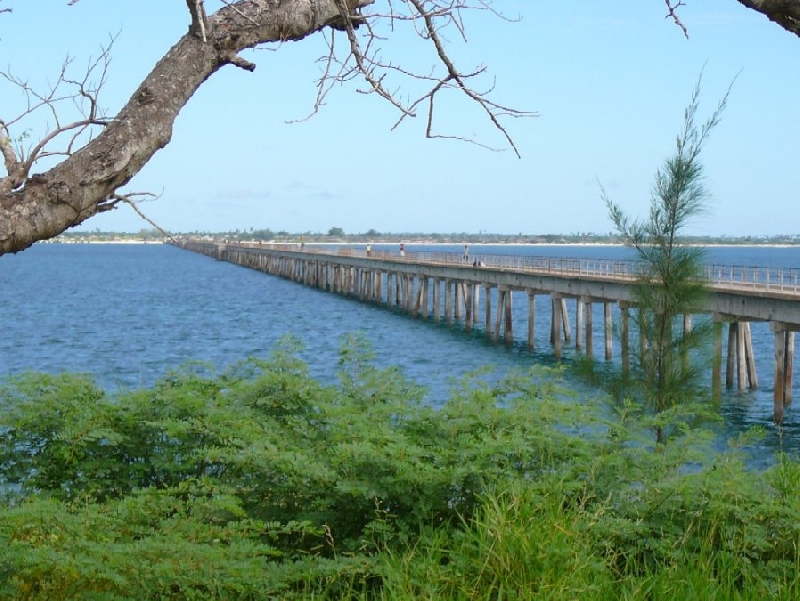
x: 785, y: 13
x: 46, y: 204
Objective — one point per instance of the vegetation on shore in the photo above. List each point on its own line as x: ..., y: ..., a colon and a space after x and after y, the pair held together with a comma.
x: 260, y: 482
x: 340, y: 237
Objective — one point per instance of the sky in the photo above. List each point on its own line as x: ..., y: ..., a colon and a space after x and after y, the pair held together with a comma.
x: 608, y: 81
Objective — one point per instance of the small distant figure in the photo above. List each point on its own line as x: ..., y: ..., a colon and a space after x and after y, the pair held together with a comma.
x: 302, y: 243
x: 466, y: 254
x: 402, y: 250
x: 369, y: 249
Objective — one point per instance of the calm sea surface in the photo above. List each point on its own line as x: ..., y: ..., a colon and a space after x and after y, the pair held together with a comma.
x: 129, y: 313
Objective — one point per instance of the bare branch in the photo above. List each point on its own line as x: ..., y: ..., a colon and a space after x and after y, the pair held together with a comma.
x: 428, y: 18
x: 674, y: 16
x: 199, y: 19
x: 128, y: 199
x: 81, y: 94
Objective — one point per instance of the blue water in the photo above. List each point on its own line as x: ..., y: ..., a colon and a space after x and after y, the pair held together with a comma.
x: 128, y: 313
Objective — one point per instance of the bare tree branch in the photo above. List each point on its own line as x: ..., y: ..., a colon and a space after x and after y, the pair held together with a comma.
x: 129, y: 200
x: 671, y: 14
x: 199, y: 19
x: 428, y: 19
x: 81, y: 95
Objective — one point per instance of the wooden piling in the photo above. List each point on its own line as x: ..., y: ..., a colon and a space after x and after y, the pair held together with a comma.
x: 788, y: 369
x: 501, y: 301
x: 555, y: 329
x: 624, y: 337
x: 437, y: 300
x: 588, y: 338
x: 779, y: 390
x: 730, y: 365
x: 425, y: 293
x: 509, y: 331
x: 488, y: 291
x: 565, y: 320
x: 750, y: 361
x: 468, y: 306
x: 476, y: 302
x: 741, y: 364
x: 716, y: 361
x: 531, y: 318
x: 448, y: 303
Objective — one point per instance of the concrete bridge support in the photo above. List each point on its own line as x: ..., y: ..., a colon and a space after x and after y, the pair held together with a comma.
x: 740, y: 361
x: 784, y: 365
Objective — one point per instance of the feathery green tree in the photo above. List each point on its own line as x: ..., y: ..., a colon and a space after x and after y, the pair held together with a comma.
x: 671, y: 284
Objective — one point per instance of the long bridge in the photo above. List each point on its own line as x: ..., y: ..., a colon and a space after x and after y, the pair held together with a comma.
x: 427, y: 284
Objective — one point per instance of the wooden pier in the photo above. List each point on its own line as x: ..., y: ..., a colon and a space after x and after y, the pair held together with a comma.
x: 415, y: 281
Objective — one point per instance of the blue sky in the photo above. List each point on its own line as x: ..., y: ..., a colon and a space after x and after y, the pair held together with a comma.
x: 609, y: 81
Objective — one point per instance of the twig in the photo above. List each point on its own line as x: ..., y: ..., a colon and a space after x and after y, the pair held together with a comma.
x: 127, y: 199
x: 674, y: 16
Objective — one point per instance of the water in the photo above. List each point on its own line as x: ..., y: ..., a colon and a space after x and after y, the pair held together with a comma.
x: 128, y: 313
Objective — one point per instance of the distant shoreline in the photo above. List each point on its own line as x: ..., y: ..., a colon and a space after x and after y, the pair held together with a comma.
x: 140, y: 241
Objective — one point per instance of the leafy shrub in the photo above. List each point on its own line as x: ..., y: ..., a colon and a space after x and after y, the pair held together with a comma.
x: 260, y: 482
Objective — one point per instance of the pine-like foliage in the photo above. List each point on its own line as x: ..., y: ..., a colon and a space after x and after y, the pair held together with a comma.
x: 671, y: 283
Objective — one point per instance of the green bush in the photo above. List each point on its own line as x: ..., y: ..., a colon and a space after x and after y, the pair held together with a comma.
x: 260, y: 482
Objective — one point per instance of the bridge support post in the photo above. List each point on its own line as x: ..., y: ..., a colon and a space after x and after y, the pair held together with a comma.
x: 476, y: 302
x: 578, y: 324
x: 400, y: 291
x: 624, y: 337
x: 531, y: 318
x: 468, y: 306
x: 437, y: 300
x: 509, y: 332
x: 488, y: 291
x: 779, y: 390
x: 784, y: 367
x: 448, y: 303
x: 730, y: 363
x: 503, y: 311
x: 565, y: 320
x: 789, y: 370
x: 555, y: 325
x: 716, y: 361
x: 459, y: 300
x: 589, y: 340
x: 741, y: 365
x: 424, y: 293
x: 607, y: 329
x: 750, y: 360
x: 740, y: 357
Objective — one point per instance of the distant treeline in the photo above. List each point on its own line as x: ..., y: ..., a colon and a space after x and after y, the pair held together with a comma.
x: 335, y: 235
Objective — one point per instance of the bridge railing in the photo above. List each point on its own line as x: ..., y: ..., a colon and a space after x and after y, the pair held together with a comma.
x: 779, y: 279
x: 784, y: 279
